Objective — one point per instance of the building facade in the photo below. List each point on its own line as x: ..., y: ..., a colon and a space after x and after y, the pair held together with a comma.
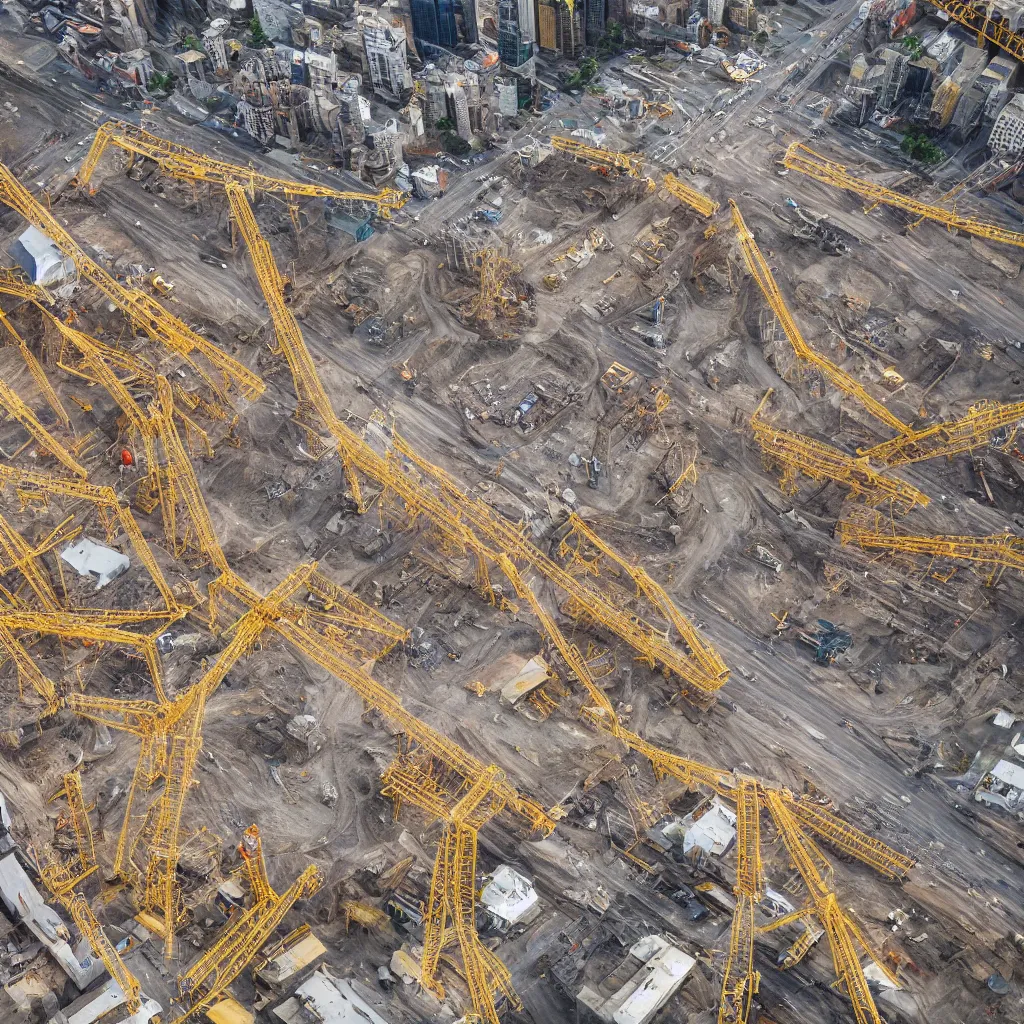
x: 386, y: 58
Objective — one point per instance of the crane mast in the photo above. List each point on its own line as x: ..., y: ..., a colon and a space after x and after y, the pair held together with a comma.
x: 599, y: 156
x: 798, y: 455
x: 974, y: 429
x: 684, y: 193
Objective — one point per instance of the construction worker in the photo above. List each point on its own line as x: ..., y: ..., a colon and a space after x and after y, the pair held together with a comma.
x: 127, y: 461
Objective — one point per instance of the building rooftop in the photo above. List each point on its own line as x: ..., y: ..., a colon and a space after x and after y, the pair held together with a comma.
x: 509, y: 896
x: 95, y: 561
x: 329, y: 1000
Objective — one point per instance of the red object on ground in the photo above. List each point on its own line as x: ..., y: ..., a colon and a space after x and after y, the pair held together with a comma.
x: 126, y: 457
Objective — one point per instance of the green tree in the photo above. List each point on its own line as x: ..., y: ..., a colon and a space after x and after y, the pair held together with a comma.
x: 455, y: 144
x: 160, y: 82
x: 444, y: 124
x: 919, y: 147
x: 260, y: 39
x: 586, y: 71
x: 913, y: 46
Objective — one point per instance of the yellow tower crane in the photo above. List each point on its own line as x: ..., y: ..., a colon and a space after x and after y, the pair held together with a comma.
x: 37, y: 488
x: 740, y: 980
x: 805, y: 161
x: 78, y: 813
x: 314, y: 410
x: 684, y: 193
x: 978, y: 18
x: 495, y: 270
x: 188, y: 165
x: 599, y: 156
x: 974, y: 429
x: 845, y: 939
x: 36, y: 370
x: 762, y: 274
x: 204, y: 982
x: 995, y: 553
x: 46, y: 442
x: 144, y: 312
x: 451, y: 908
x: 797, y: 454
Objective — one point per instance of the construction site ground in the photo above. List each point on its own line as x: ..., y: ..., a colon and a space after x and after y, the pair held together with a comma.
x: 884, y: 733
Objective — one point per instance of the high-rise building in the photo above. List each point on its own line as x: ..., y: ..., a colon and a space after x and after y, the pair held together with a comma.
x: 571, y: 37
x: 595, y: 19
x: 386, y: 56
x: 443, y: 23
x: 458, y: 106
x: 433, y: 23
x: 547, y: 25
x: 510, y: 38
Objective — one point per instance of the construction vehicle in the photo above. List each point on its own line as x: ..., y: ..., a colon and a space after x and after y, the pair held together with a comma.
x: 160, y: 285
x: 828, y: 641
x: 804, y: 160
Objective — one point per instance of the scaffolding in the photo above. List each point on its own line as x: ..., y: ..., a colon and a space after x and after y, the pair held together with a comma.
x: 684, y: 193
x: 983, y: 424
x: 762, y: 274
x: 188, y: 165
x: 800, y: 158
x: 796, y: 455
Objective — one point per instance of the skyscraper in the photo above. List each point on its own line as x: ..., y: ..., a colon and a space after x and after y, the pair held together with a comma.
x: 433, y: 22
x: 516, y: 31
x: 385, y: 55
x: 595, y: 19
x: 443, y: 23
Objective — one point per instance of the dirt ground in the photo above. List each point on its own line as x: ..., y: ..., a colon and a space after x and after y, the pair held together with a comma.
x: 889, y: 732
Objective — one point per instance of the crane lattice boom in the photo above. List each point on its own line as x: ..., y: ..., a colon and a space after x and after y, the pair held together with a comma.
x: 762, y: 274
x: 800, y: 158
x: 188, y: 165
